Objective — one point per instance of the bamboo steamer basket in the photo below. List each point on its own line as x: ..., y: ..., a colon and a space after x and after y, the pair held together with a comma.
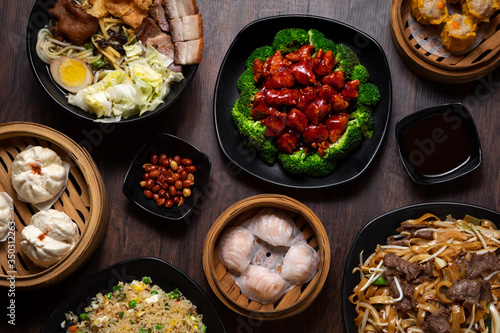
x: 457, y: 68
x: 299, y: 297
x: 84, y: 200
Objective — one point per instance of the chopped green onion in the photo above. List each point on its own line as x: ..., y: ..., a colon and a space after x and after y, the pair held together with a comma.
x: 120, y: 314
x: 88, y: 46
x: 174, y: 294
x: 121, y: 296
x: 166, y: 306
x: 117, y: 288
x: 109, y: 295
x: 146, y: 280
x: 159, y: 326
x: 131, y: 321
x: 98, y: 63
x: 132, y: 304
x: 84, y: 316
x: 154, y: 292
x: 203, y: 328
x: 380, y: 281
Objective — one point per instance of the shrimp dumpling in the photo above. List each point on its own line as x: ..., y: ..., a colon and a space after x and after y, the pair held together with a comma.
x: 236, y: 249
x: 259, y: 284
x: 273, y: 226
x: 300, y: 264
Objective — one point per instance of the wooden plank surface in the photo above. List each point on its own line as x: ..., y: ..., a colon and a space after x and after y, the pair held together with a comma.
x: 343, y: 210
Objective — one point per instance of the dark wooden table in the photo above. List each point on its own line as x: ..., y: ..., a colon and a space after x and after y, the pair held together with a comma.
x: 343, y: 210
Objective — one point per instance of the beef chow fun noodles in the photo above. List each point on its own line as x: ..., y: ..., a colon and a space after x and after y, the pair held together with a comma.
x: 434, y: 276
x: 120, y: 57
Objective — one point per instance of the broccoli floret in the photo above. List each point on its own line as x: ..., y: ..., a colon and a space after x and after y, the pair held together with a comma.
x: 368, y: 94
x: 360, y: 73
x: 301, y: 162
x: 346, y: 59
x: 290, y: 40
x: 319, y: 41
x: 363, y: 119
x: 262, y: 53
x: 252, y: 133
x: 345, y: 144
x: 246, y: 83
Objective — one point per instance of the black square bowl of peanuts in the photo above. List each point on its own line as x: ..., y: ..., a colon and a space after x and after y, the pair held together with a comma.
x: 167, y: 177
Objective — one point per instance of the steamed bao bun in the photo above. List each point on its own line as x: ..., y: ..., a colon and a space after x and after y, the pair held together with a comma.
x: 6, y: 215
x: 50, y: 235
x: 38, y: 174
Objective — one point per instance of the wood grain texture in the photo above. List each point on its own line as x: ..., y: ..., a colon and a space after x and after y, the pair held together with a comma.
x: 343, y: 210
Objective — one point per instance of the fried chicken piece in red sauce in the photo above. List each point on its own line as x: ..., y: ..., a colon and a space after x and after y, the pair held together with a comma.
x: 303, y: 72
x: 275, y: 64
x: 315, y: 133
x: 258, y: 69
x: 283, y: 79
x: 335, y: 79
x: 317, y: 110
x: 287, y: 142
x: 335, y: 124
x: 297, y: 120
x: 323, y: 62
x: 280, y: 97
x: 262, y: 110
x: 307, y: 95
x: 73, y: 22
x: 305, y: 51
x: 275, y: 123
x: 350, y: 90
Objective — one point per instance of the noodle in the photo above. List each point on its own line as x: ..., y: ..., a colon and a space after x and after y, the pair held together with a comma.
x: 395, y: 299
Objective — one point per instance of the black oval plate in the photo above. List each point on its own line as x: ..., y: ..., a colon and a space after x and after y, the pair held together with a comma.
x: 163, y: 274
x: 260, y: 33
x: 39, y: 19
x: 377, y: 231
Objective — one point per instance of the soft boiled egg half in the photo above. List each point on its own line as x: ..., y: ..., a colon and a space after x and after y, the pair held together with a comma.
x: 71, y: 73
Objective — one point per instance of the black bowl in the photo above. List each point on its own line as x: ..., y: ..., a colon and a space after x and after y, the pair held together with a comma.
x: 446, y: 147
x: 170, y: 145
x: 370, y: 54
x: 163, y: 274
x: 377, y: 231
x: 39, y: 19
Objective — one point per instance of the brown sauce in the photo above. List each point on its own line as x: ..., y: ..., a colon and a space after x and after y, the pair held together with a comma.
x: 437, y: 145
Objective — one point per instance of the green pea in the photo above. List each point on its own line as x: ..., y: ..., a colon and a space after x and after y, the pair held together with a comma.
x: 132, y: 304
x: 109, y: 295
x: 159, y: 326
x: 84, y: 316
x: 203, y: 328
x: 146, y: 280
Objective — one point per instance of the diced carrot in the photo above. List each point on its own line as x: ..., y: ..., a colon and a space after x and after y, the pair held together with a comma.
x: 73, y: 329
x: 455, y: 25
x: 441, y: 5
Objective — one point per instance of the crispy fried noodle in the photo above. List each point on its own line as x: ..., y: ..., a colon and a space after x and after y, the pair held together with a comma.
x: 434, y: 276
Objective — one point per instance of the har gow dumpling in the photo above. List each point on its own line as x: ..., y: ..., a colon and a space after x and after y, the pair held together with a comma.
x: 236, y: 249
x: 300, y: 264
x: 38, y: 174
x: 273, y: 226
x: 260, y: 284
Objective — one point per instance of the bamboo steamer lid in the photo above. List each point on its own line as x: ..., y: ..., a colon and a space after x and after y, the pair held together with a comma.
x: 84, y: 200
x: 455, y: 68
x: 299, y: 297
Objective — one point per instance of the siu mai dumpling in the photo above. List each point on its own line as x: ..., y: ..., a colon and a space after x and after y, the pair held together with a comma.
x: 260, y: 284
x: 273, y: 226
x: 300, y: 264
x: 236, y: 249
x: 480, y: 10
x: 429, y: 11
x: 458, y: 33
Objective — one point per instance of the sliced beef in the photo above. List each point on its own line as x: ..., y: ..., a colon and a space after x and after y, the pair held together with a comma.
x: 470, y: 292
x: 405, y: 269
x: 438, y: 322
x: 73, y: 22
x: 411, y: 228
x: 398, y: 242
x: 478, y: 264
x: 408, y: 303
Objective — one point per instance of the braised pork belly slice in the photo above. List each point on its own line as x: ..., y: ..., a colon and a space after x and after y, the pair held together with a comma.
x: 180, y: 8
x: 157, y: 11
x: 187, y: 28
x: 189, y: 52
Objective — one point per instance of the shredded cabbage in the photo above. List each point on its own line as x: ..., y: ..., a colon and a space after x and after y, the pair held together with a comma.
x: 141, y: 87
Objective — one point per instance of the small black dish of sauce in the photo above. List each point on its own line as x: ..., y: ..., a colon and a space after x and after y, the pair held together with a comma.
x: 439, y: 143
